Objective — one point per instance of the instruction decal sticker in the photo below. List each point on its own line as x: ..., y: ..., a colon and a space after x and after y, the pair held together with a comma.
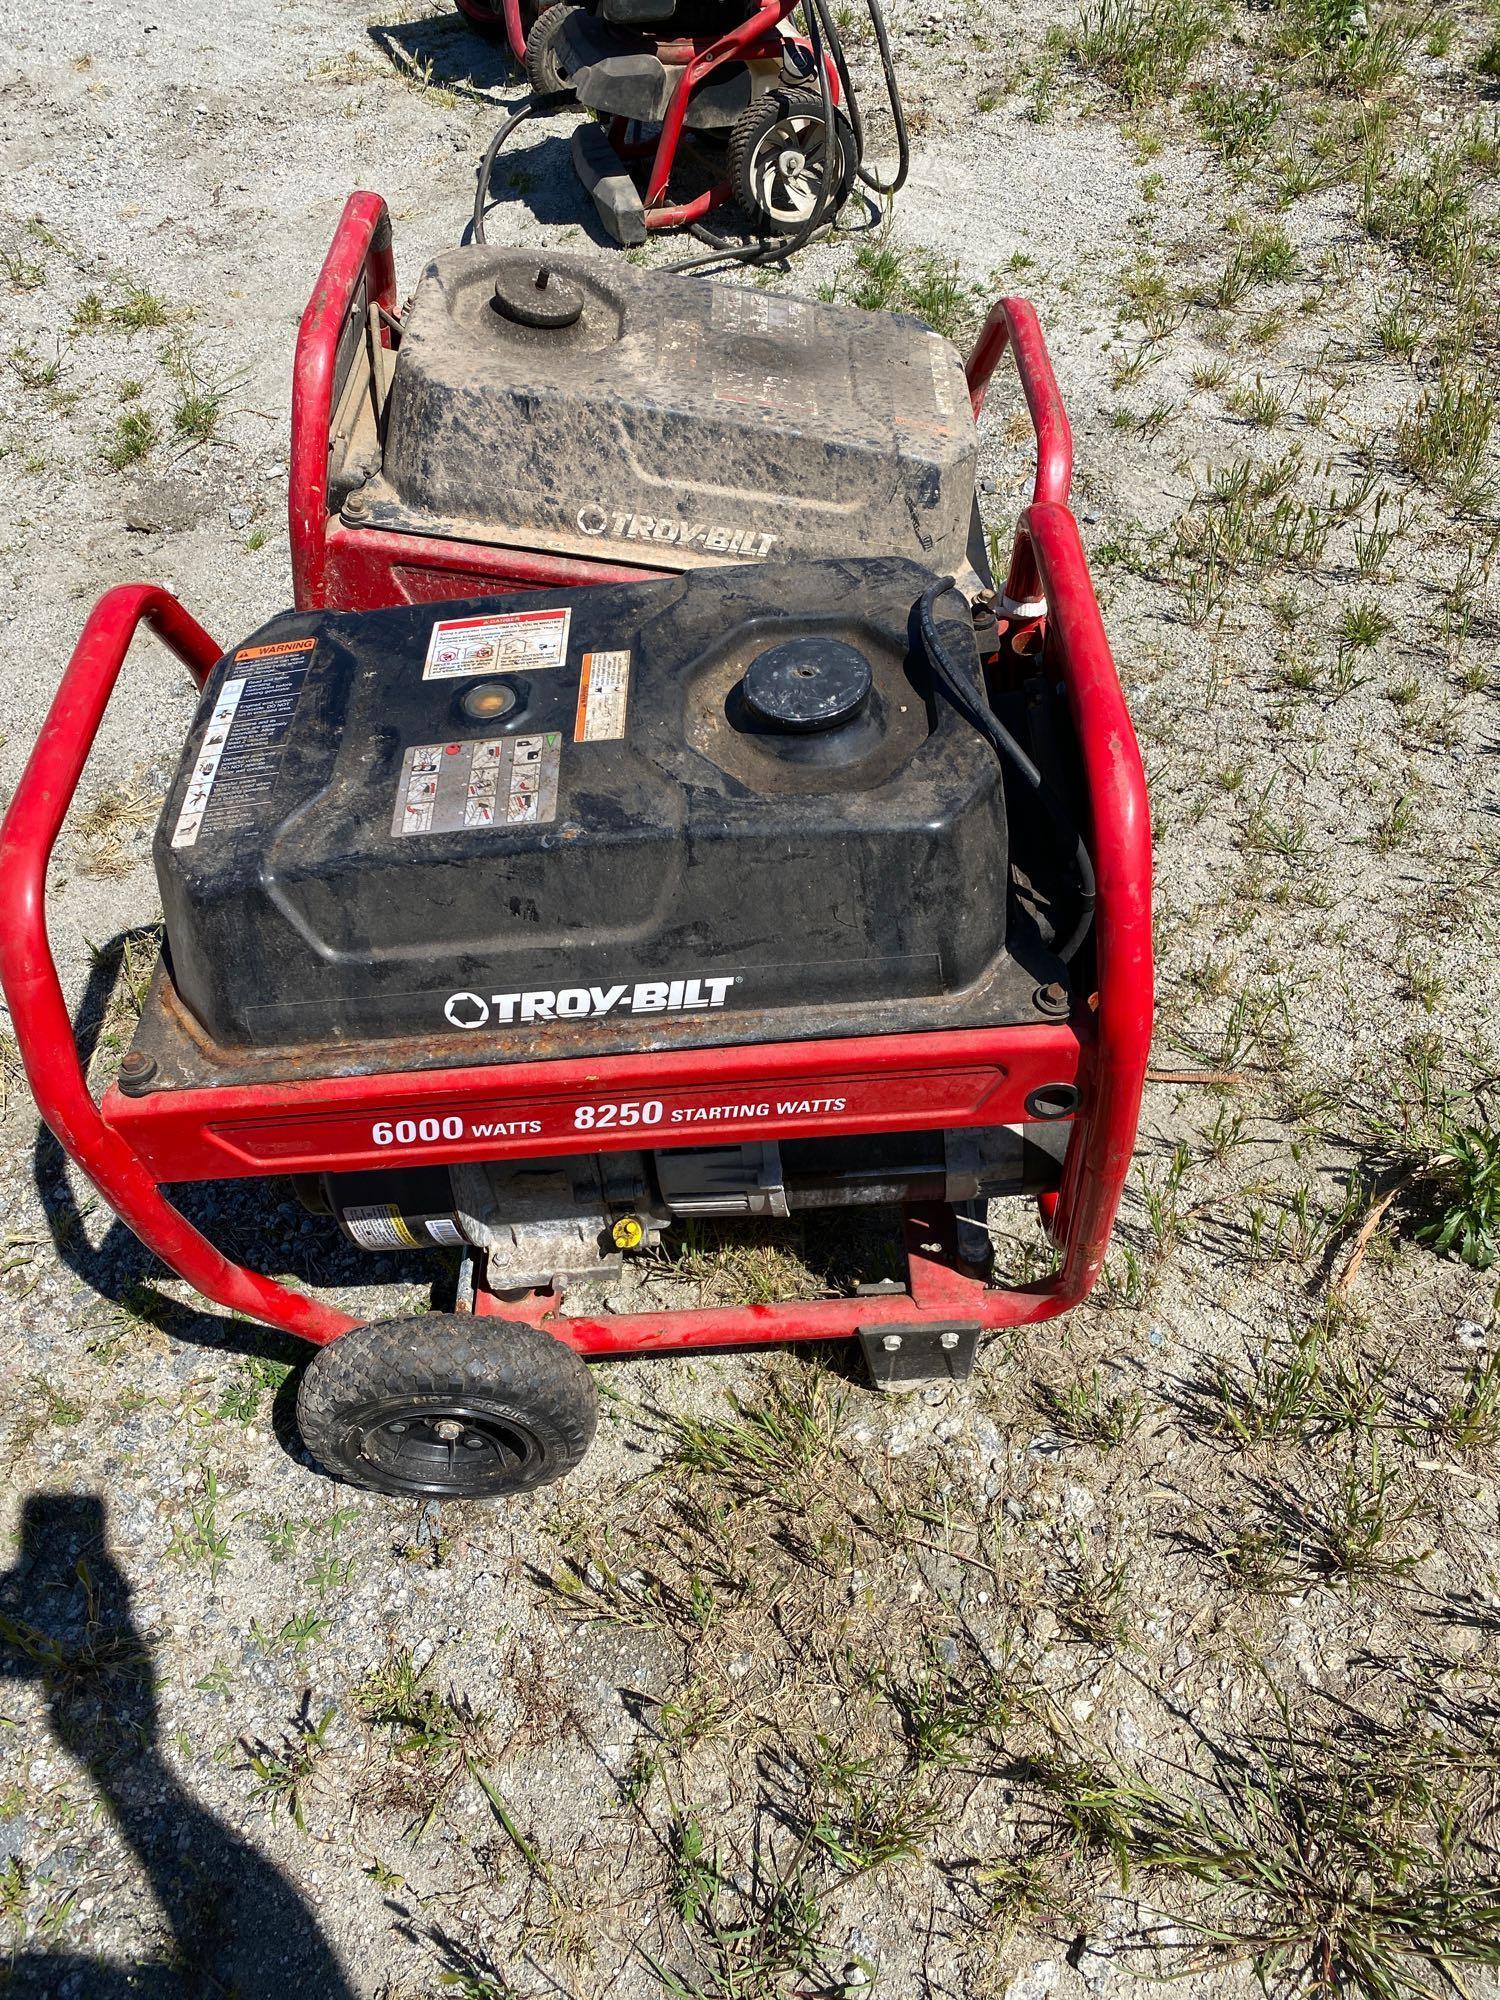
x: 458, y: 787
x: 240, y: 756
x: 602, y: 695
x: 523, y: 640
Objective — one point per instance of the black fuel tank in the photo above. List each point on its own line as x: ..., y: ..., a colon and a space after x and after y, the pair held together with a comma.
x: 572, y: 818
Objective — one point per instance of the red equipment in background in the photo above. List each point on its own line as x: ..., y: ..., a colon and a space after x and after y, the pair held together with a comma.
x: 648, y: 77
x: 339, y: 567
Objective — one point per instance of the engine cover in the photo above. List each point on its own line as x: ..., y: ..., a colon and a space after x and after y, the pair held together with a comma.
x: 719, y: 807
x: 665, y: 422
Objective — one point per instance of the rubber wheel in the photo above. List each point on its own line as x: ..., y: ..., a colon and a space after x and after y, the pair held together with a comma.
x: 777, y: 158
x: 543, y: 71
x: 490, y: 20
x: 447, y: 1407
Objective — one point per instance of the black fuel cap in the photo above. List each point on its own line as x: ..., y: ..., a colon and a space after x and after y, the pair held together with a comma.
x: 534, y: 295
x: 808, y: 684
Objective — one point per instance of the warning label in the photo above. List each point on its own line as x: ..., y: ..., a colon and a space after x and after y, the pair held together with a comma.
x: 602, y: 695
x: 737, y: 311
x: 526, y: 640
x: 504, y: 781
x: 240, y: 756
x: 384, y: 1227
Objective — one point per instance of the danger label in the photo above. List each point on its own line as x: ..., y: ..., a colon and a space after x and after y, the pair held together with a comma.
x: 500, y: 781
x: 602, y: 695
x: 526, y: 640
x: 239, y: 759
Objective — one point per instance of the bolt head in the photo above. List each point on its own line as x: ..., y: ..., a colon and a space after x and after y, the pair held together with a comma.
x: 136, y: 1071
x: 948, y: 1341
x: 448, y: 1428
x: 891, y: 1342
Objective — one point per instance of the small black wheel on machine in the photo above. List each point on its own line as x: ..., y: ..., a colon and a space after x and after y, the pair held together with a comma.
x: 779, y: 155
x: 544, y: 70
x: 447, y: 1407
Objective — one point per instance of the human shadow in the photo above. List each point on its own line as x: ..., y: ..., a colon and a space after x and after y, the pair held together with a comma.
x: 236, y: 1924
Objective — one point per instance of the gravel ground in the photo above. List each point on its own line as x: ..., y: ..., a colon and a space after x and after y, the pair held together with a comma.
x: 1169, y: 1643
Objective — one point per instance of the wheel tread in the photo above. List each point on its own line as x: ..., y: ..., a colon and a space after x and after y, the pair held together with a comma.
x: 542, y: 71
x: 751, y: 126
x: 504, y: 1363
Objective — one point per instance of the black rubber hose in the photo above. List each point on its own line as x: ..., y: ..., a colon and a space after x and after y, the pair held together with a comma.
x: 492, y: 153
x: 971, y: 704
x: 898, y: 112
x: 841, y: 69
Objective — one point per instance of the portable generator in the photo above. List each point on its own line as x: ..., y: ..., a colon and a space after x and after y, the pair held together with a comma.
x: 771, y: 115
x: 642, y: 425
x: 674, y: 826
x: 531, y: 925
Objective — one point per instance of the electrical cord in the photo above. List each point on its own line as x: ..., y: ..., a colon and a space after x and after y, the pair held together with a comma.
x: 970, y: 703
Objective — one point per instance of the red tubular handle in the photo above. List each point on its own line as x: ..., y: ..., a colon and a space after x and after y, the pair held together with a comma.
x: 362, y: 238
x: 699, y: 65
x: 28, y: 972
x: 1115, y: 1057
x: 1013, y: 323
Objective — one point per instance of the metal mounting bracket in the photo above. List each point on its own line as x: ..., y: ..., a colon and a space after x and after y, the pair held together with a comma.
x: 924, y: 1355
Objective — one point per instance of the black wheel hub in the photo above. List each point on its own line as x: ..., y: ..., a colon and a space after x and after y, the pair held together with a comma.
x: 448, y: 1450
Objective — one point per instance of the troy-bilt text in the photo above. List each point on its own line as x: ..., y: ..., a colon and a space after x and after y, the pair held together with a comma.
x: 582, y: 1003
x: 719, y: 541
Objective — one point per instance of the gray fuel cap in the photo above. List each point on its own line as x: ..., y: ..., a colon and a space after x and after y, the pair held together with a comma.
x: 534, y: 295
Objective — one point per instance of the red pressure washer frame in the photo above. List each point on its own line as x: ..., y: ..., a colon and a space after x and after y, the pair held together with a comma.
x: 129, y: 1146
x: 756, y: 39
x: 339, y: 568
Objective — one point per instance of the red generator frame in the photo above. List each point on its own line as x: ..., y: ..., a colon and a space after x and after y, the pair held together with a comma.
x: 412, y: 1106
x: 339, y: 567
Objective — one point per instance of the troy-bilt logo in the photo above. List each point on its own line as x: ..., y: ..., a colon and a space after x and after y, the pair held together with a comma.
x: 584, y: 1003
x: 593, y: 520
